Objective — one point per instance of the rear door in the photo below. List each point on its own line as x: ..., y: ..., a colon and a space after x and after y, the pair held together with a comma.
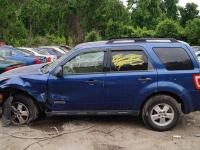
x: 130, y: 77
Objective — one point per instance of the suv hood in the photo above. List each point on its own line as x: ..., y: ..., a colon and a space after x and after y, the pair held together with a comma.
x: 23, y: 71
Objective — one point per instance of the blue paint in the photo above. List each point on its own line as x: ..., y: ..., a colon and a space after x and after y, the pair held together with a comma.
x: 114, y: 90
x: 19, y: 56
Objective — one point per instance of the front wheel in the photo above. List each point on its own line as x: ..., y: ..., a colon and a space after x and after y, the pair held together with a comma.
x: 23, y: 109
x: 161, y: 113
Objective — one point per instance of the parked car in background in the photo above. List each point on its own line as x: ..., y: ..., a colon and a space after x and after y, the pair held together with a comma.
x: 6, y: 65
x: 3, y: 44
x: 57, y: 48
x: 38, y: 52
x: 51, y: 51
x: 196, y: 50
x: 21, y: 55
x: 66, y: 47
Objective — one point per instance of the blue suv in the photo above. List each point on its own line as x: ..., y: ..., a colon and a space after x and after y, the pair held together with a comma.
x: 154, y: 77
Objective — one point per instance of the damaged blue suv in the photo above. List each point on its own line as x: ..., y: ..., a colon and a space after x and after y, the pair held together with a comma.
x: 154, y: 77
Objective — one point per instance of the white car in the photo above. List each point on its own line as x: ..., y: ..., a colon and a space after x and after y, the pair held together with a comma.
x: 57, y: 48
x: 39, y: 52
x: 196, y: 50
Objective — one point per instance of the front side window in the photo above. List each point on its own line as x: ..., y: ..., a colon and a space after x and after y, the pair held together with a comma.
x: 174, y: 58
x: 88, y: 62
x: 129, y: 60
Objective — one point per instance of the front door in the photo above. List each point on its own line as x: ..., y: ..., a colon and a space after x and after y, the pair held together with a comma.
x: 82, y: 84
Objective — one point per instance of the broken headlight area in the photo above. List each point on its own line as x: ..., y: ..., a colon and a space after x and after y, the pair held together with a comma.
x: 6, y: 111
x: 1, y: 98
x: 5, y: 104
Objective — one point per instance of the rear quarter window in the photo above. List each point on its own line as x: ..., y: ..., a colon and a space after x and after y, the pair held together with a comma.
x: 174, y: 58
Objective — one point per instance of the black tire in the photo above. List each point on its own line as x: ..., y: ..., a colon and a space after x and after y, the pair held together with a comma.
x: 161, y: 113
x: 23, y: 109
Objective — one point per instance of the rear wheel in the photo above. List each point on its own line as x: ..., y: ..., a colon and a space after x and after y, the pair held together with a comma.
x: 161, y: 113
x: 23, y: 109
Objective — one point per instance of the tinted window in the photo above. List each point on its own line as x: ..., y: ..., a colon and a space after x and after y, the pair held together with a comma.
x: 174, y: 58
x: 85, y: 63
x: 129, y: 61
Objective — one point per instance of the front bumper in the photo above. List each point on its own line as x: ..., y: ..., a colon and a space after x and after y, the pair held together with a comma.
x: 1, y: 106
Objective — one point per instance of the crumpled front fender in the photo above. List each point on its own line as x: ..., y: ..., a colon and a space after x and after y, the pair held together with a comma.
x: 34, y: 85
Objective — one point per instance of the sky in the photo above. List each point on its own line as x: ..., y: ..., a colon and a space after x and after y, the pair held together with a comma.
x: 181, y: 2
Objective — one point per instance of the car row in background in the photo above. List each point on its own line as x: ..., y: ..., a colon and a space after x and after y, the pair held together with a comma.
x: 51, y: 51
x: 61, y: 49
x: 11, y: 58
x: 196, y: 50
x: 6, y: 65
x: 20, y: 55
x: 38, y: 52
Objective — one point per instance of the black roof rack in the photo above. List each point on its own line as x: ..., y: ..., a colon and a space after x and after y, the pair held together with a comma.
x: 141, y: 40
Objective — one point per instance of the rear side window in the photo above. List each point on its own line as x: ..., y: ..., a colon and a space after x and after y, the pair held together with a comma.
x: 130, y: 60
x: 174, y: 58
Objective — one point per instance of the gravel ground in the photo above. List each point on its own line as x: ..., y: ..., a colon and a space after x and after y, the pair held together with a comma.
x: 100, y: 133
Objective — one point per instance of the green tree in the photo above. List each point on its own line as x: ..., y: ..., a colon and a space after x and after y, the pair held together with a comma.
x: 170, y: 8
x: 146, y: 13
x: 96, y: 14
x: 114, y: 29
x: 12, y: 30
x: 169, y: 29
x: 192, y: 31
x: 92, y: 36
x: 189, y: 12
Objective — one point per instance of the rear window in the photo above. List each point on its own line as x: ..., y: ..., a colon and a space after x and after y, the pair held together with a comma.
x: 174, y: 58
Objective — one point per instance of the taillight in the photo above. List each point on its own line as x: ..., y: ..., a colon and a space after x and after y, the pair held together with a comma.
x: 13, y: 67
x: 196, y: 79
x: 37, y: 61
x: 48, y: 59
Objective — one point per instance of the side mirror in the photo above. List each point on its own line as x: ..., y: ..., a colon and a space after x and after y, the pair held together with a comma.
x: 58, y: 73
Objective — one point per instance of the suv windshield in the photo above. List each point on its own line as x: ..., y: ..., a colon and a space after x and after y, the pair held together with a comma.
x: 54, y: 63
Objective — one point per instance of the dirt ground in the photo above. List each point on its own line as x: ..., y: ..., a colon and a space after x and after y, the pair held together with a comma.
x: 100, y: 133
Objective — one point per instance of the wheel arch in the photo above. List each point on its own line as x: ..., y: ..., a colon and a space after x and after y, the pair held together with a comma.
x: 13, y: 91
x: 175, y: 96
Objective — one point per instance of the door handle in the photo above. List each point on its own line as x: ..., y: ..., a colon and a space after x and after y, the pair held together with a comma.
x: 93, y: 81
x: 144, y: 79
